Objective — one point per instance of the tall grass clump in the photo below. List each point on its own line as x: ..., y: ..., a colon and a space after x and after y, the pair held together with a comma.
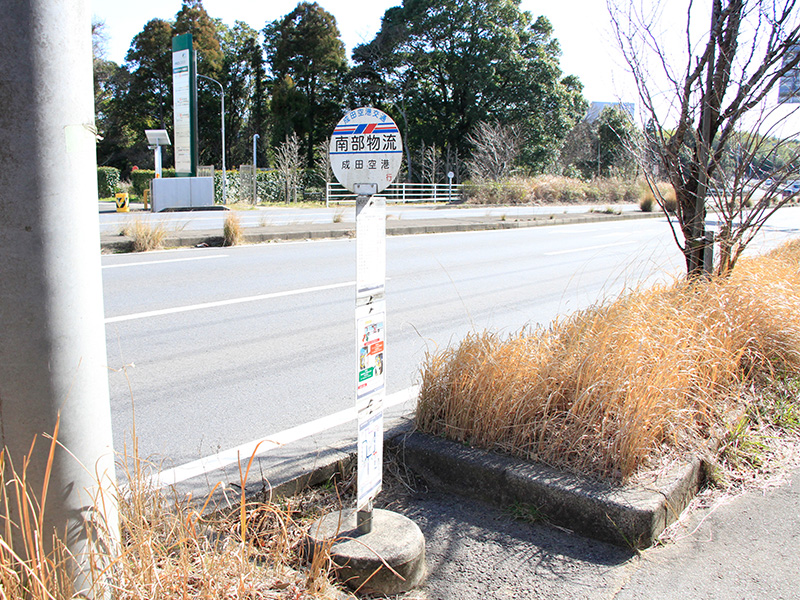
x: 146, y: 235
x: 34, y: 563
x: 648, y: 201
x: 607, y: 389
x: 232, y: 233
x: 169, y: 545
x: 173, y: 548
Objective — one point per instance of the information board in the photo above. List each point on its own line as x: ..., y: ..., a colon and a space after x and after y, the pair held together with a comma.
x: 184, y: 105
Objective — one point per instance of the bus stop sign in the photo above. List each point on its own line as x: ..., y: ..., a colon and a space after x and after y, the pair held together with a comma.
x: 366, y: 151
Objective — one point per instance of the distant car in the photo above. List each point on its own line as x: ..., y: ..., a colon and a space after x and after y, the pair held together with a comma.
x: 791, y: 189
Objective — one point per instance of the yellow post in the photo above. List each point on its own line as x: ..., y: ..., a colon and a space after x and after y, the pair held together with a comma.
x: 146, y: 198
x: 121, y: 198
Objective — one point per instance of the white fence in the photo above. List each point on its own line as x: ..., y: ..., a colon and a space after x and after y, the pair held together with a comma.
x: 400, y: 193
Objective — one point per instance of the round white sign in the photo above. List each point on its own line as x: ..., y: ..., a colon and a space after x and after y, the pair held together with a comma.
x: 366, y: 151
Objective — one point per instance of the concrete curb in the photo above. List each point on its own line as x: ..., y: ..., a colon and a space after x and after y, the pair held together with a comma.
x: 293, y: 471
x: 117, y: 243
x: 631, y: 517
x: 626, y: 516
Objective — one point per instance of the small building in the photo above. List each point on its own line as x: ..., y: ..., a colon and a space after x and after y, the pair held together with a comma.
x: 595, y: 108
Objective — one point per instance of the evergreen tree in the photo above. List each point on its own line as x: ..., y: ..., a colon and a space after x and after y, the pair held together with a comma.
x: 616, y: 139
x: 441, y: 67
x: 193, y: 18
x: 243, y: 78
x: 307, y: 61
x: 138, y: 97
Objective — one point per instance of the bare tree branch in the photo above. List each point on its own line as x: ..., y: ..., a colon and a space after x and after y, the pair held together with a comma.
x: 722, y: 124
x: 288, y: 162
x: 496, y: 147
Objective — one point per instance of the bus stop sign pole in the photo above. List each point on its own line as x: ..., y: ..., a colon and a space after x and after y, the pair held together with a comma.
x: 365, y: 154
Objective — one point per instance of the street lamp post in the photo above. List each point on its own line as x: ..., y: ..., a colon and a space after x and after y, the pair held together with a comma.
x: 224, y: 170
x: 255, y: 180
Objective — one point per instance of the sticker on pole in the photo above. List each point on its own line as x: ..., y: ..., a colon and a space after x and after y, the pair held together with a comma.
x: 371, y: 349
x: 366, y: 151
x: 370, y: 456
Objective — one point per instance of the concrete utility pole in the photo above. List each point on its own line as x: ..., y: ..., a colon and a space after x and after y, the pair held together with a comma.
x: 52, y: 336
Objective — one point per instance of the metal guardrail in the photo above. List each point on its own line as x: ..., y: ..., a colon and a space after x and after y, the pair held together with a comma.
x: 399, y: 193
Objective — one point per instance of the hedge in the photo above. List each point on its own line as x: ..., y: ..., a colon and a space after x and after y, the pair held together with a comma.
x: 107, y: 181
x: 270, y: 184
x: 140, y: 179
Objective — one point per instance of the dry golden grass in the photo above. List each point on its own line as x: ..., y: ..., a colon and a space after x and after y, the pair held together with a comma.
x: 607, y: 389
x: 232, y: 233
x: 34, y: 564
x: 550, y: 189
x: 146, y: 236
x: 648, y: 201
x: 169, y: 547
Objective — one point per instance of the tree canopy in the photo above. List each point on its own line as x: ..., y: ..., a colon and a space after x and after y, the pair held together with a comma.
x: 441, y: 67
x: 307, y: 60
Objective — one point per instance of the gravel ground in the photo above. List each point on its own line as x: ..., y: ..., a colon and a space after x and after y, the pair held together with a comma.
x: 476, y: 551
x: 725, y: 547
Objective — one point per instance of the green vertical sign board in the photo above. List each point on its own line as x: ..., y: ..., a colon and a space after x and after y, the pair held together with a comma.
x: 184, y: 104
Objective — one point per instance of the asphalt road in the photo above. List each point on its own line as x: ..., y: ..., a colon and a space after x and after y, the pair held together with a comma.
x: 216, y: 347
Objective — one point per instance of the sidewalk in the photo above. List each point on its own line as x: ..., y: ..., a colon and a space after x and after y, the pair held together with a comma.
x: 742, y: 548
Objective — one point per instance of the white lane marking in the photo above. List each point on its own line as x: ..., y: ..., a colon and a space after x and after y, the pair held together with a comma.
x: 585, y: 248
x: 159, y: 262
x: 617, y: 234
x: 218, y: 303
x: 259, y: 447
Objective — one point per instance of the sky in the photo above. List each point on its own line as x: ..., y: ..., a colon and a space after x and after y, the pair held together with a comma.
x: 581, y: 26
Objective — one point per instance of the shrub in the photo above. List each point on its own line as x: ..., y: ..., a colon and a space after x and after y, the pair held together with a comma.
x: 551, y: 189
x: 270, y: 186
x: 232, y: 178
x: 107, y: 181
x: 140, y: 179
x: 515, y: 190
